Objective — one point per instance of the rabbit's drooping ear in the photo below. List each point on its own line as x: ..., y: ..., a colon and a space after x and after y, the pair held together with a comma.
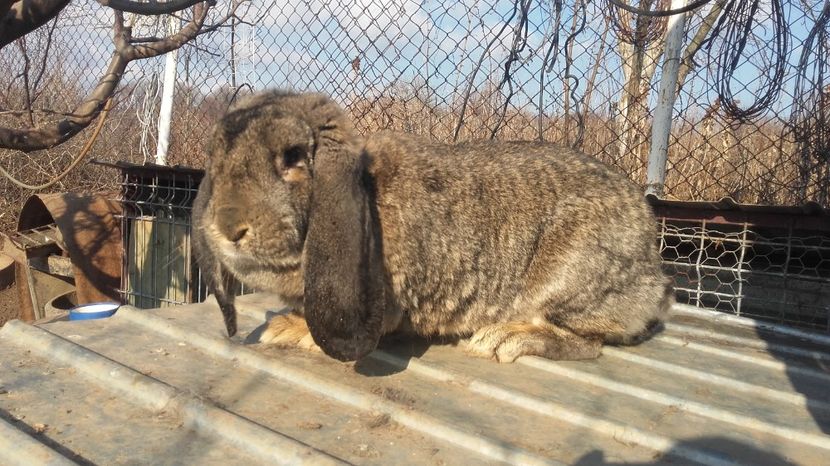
x: 344, y: 296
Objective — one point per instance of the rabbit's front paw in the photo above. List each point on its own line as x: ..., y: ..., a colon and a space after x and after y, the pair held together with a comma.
x: 507, y: 341
x: 290, y: 331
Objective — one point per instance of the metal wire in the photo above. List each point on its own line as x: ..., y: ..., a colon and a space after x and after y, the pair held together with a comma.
x: 658, y: 13
x: 519, y: 45
x: 776, y: 274
x: 484, y: 54
x: 548, y: 63
x: 810, y: 121
x: 736, y: 25
x: 574, y: 84
x: 646, y: 29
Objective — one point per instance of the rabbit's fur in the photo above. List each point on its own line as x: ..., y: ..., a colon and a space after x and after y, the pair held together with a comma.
x: 525, y: 247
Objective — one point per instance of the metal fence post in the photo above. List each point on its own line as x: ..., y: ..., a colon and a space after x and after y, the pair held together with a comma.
x: 661, y: 128
x: 169, y: 86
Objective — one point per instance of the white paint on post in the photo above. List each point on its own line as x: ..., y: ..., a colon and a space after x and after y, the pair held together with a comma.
x: 166, y: 111
x: 661, y: 128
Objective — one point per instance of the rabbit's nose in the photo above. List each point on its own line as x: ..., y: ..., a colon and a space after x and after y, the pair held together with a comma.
x: 231, y: 225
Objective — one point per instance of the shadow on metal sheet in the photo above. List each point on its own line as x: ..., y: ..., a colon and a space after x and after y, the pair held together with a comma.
x: 253, y: 337
x: 812, y: 388
x: 732, y: 452
x: 405, y: 346
x: 43, y: 437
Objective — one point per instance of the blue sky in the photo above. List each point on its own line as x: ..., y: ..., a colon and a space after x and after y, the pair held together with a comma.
x: 311, y: 45
x: 412, y: 42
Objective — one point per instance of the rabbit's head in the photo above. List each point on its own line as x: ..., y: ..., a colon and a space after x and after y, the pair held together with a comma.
x: 260, y: 181
x: 289, y: 196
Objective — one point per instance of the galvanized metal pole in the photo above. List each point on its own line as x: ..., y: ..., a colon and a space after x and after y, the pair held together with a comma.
x: 166, y: 111
x: 661, y: 128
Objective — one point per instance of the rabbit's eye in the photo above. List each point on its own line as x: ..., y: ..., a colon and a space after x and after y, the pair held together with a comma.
x: 294, y: 156
x: 291, y: 164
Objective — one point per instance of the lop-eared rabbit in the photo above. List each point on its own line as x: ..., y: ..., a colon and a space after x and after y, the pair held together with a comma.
x: 521, y: 248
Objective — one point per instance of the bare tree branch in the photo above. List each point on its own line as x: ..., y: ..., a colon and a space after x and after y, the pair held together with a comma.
x: 152, y: 7
x: 209, y: 28
x: 37, y: 138
x: 26, y: 86
x: 152, y: 49
x: 688, y: 63
x: 45, y: 58
x: 600, y: 57
x: 25, y: 16
x: 31, y: 139
x: 223, y: 21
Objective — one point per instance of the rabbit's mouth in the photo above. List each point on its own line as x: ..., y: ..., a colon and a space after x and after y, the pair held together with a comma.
x: 283, y: 276
x: 236, y: 261
x: 245, y: 262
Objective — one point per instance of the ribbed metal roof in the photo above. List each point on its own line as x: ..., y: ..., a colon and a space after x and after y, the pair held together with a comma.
x: 166, y: 387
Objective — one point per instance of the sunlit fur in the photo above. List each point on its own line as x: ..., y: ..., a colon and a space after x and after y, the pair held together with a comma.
x: 520, y: 247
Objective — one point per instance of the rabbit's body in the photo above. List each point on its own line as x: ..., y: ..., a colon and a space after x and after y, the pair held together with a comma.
x: 529, y: 248
x: 492, y: 232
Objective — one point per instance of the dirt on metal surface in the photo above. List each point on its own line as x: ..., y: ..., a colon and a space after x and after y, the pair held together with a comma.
x: 166, y: 386
x: 9, y: 305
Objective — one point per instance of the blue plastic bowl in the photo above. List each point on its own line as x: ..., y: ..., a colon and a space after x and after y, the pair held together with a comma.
x: 93, y: 311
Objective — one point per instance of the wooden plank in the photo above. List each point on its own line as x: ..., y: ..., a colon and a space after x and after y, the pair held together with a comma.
x: 53, y: 265
x: 158, y: 272
x: 140, y: 285
x: 36, y: 309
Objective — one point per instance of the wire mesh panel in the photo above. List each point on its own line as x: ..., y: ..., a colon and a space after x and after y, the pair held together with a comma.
x: 158, y: 267
x: 778, y: 273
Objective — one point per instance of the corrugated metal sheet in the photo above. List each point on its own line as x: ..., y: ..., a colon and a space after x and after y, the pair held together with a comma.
x: 166, y: 387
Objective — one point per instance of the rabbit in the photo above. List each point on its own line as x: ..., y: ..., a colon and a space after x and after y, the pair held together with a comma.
x: 518, y: 248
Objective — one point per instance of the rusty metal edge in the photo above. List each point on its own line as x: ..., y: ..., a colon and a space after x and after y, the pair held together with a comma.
x: 808, y: 216
x: 97, y: 276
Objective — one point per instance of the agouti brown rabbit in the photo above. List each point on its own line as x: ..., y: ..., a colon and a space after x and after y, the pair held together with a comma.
x: 527, y: 248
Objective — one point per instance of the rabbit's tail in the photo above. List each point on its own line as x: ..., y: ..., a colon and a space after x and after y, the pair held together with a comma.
x: 652, y: 327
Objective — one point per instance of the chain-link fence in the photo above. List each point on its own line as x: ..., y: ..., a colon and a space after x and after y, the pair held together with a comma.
x: 748, y: 121
x: 580, y: 72
x: 771, y: 264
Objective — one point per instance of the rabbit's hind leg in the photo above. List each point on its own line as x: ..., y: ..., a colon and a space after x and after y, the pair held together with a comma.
x: 508, y: 340
x: 288, y: 330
